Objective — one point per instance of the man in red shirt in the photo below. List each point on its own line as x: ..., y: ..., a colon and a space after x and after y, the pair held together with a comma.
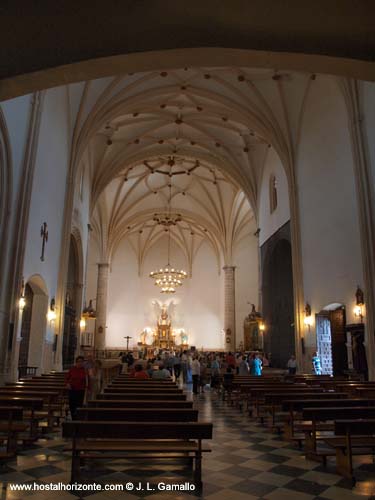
x: 231, y: 360
x: 76, y: 383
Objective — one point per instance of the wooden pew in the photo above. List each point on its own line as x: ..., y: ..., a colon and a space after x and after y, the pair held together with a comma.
x: 138, y: 390
x: 294, y: 408
x: 352, y: 437
x: 144, y: 395
x: 138, y: 414
x: 103, y: 440
x: 322, y: 421
x: 31, y: 405
x: 139, y: 403
x: 11, y: 424
x: 273, y: 401
x: 52, y: 402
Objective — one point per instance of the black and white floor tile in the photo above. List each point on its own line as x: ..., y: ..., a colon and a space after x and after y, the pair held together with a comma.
x: 247, y: 462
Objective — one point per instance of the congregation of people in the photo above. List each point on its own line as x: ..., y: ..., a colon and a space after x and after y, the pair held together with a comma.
x: 202, y: 370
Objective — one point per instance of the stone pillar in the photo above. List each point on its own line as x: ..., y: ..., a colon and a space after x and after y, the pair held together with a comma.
x: 229, y: 308
x: 101, y: 305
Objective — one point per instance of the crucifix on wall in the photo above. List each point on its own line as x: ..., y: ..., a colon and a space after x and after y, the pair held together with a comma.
x: 44, y: 236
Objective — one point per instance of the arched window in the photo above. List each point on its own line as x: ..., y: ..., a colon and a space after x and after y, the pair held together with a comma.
x: 273, y: 193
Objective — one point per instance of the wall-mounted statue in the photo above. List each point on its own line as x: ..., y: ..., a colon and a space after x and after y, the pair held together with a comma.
x: 253, y: 337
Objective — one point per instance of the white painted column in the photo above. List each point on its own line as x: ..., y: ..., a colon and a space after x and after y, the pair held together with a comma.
x: 101, y: 305
x: 229, y: 308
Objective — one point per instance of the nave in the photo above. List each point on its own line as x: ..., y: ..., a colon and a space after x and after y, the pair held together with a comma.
x: 247, y: 462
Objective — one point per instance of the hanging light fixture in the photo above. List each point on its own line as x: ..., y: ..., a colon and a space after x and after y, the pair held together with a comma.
x: 168, y: 278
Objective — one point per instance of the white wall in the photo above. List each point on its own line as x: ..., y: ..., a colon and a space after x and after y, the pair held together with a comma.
x: 331, y: 252
x: 198, y: 304
x: 269, y: 222
x: 369, y: 125
x: 246, y: 280
x: 48, y: 192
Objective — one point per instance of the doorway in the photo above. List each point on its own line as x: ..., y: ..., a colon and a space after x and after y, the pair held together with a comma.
x: 278, y: 305
x: 25, y: 329
x: 331, y: 339
x: 33, y: 325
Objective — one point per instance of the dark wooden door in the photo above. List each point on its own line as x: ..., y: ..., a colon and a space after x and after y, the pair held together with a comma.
x: 69, y: 337
x: 338, y: 338
x: 26, y: 327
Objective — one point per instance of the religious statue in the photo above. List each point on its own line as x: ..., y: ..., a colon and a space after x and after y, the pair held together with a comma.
x: 253, y: 338
x: 184, y: 338
x: 164, y: 318
x: 164, y: 338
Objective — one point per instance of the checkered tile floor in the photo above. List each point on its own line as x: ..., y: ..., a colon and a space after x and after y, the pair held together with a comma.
x: 247, y: 462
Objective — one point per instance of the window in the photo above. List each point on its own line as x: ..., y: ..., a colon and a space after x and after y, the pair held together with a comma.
x: 273, y: 193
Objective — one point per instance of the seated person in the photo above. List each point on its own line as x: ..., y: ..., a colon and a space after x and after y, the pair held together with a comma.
x: 140, y: 372
x: 149, y: 369
x: 161, y: 374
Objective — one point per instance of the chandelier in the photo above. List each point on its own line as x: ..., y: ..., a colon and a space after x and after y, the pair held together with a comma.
x: 168, y: 278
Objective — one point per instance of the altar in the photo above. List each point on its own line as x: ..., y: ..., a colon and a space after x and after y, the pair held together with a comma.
x: 164, y: 337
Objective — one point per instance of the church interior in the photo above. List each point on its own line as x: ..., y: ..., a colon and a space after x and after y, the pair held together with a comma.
x: 197, y: 211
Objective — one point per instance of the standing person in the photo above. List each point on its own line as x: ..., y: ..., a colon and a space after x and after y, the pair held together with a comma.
x: 177, y: 366
x: 231, y: 361
x: 292, y: 365
x: 94, y: 380
x: 215, y: 373
x: 189, y: 379
x: 76, y: 383
x: 256, y: 367
x: 169, y: 363
x: 184, y: 366
x: 243, y: 367
x: 316, y: 363
x: 195, y: 371
x: 203, y: 373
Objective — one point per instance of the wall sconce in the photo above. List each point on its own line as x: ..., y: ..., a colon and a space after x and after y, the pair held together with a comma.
x: 51, y: 315
x: 308, y: 319
x: 262, y: 326
x: 22, y: 300
x: 82, y: 323
x: 358, y: 308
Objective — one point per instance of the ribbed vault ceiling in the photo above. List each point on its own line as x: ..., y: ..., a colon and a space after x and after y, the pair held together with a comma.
x: 204, y: 131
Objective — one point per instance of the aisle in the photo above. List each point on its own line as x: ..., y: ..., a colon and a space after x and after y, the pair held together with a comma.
x: 247, y: 462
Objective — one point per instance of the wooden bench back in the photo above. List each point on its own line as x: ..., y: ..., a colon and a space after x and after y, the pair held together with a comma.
x: 11, y: 413
x: 322, y: 414
x: 137, y: 390
x: 144, y: 395
x: 137, y: 430
x: 126, y: 403
x: 46, y: 395
x: 24, y: 402
x: 139, y: 414
x: 279, y: 397
x: 365, y: 427
x: 299, y: 405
